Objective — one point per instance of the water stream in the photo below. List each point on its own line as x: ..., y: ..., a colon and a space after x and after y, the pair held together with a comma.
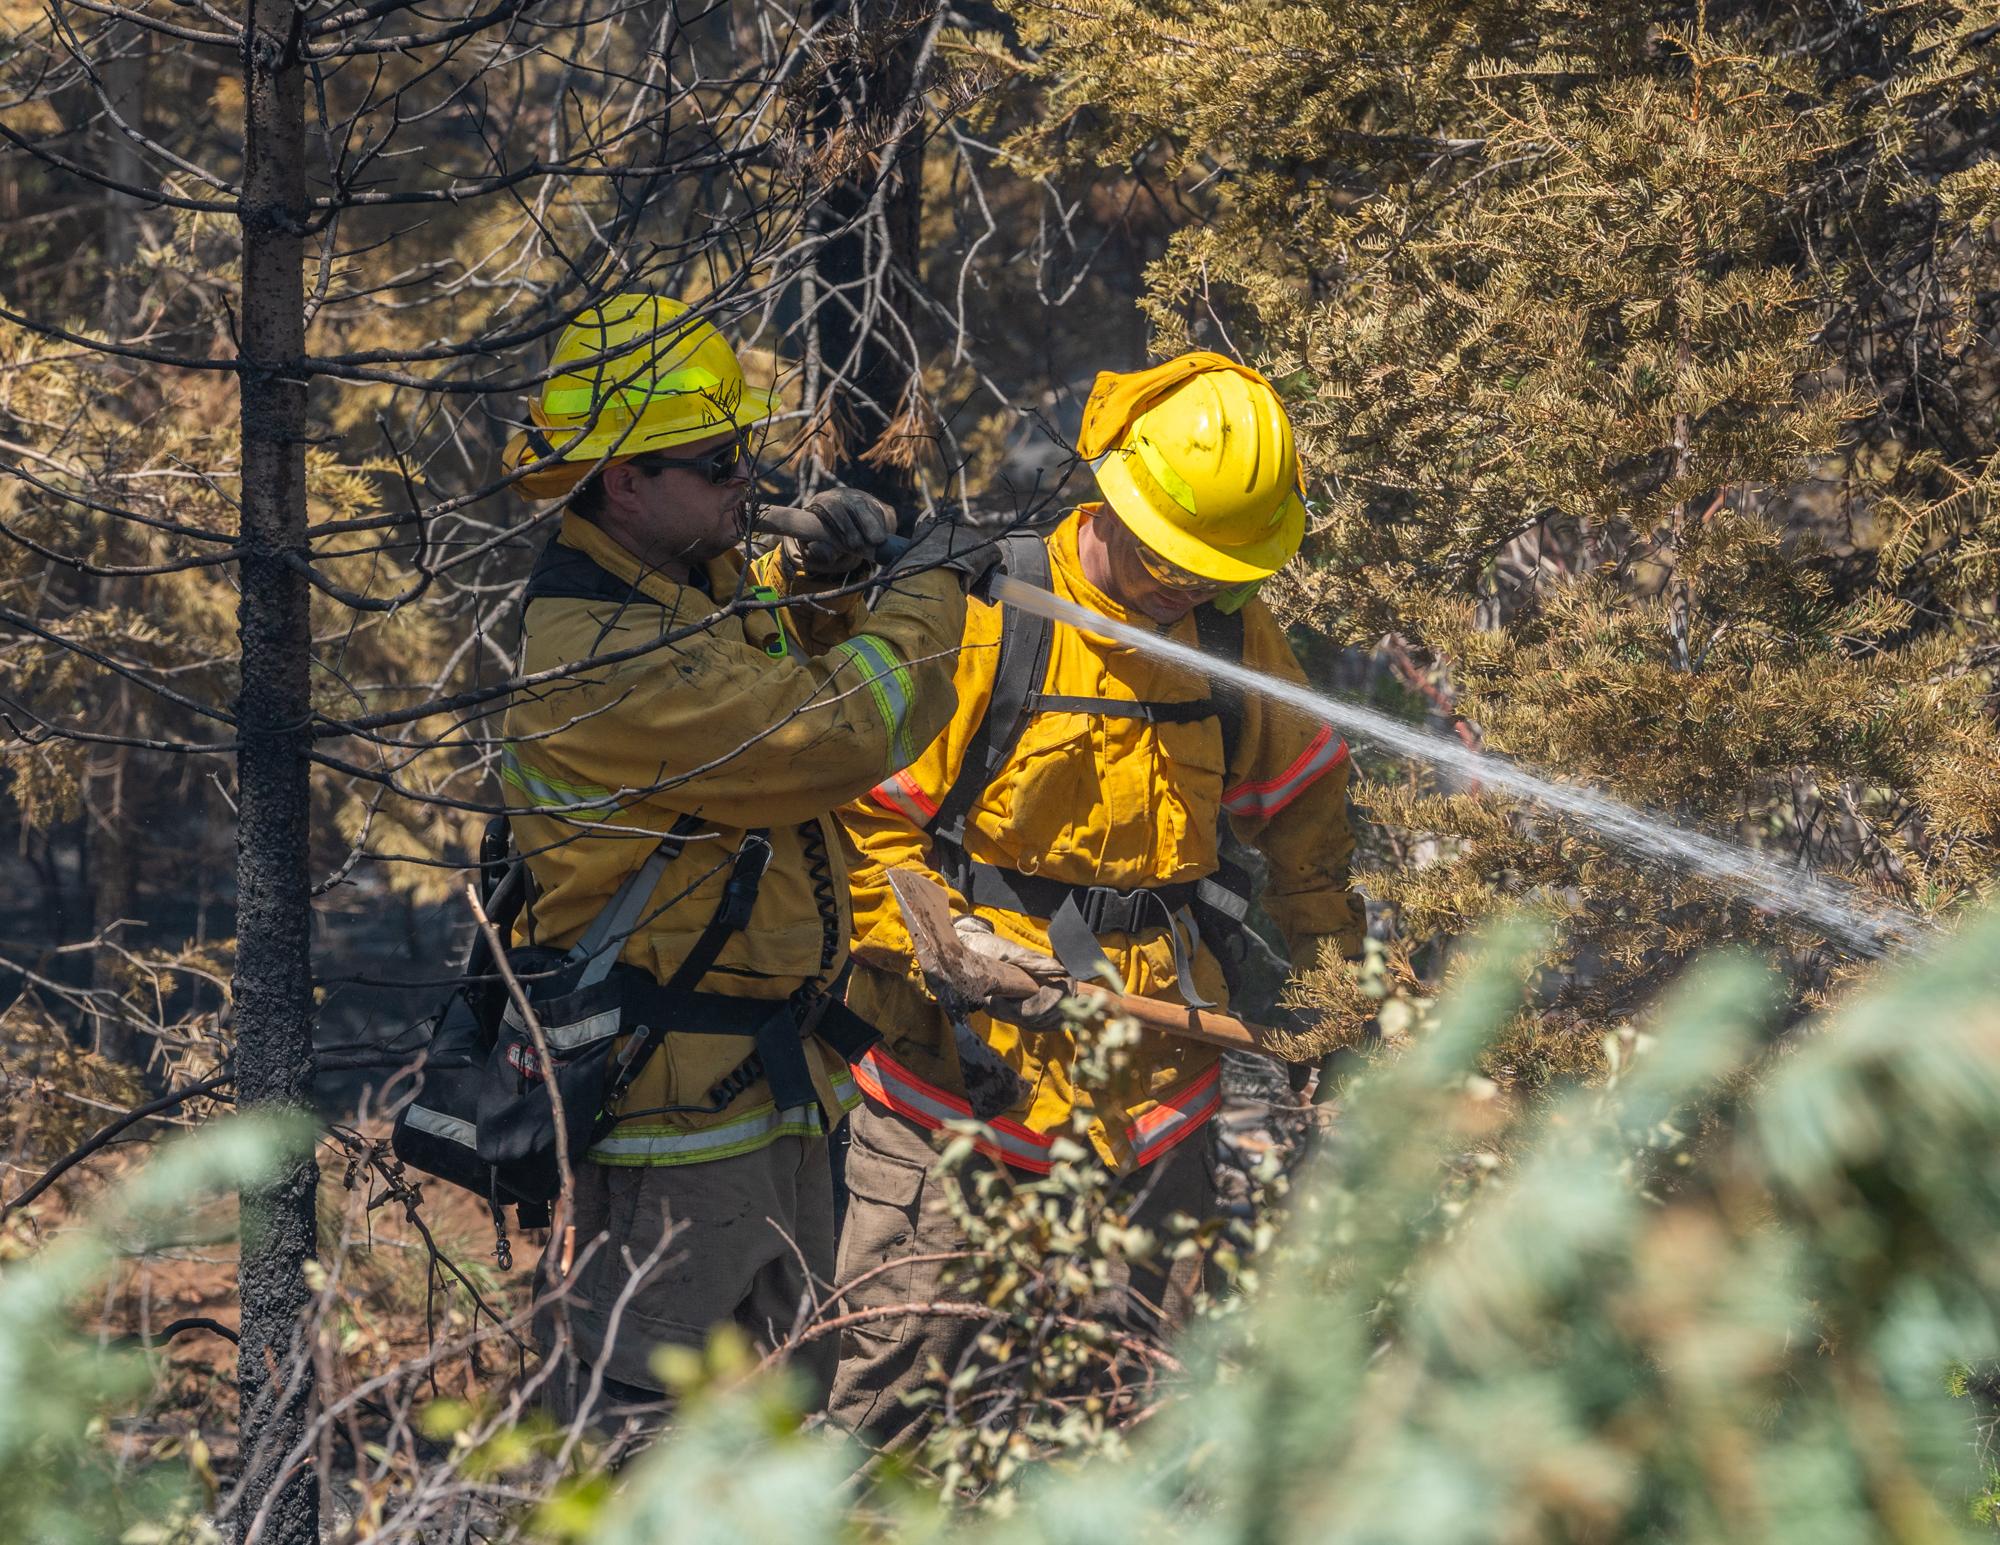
x: 1772, y: 884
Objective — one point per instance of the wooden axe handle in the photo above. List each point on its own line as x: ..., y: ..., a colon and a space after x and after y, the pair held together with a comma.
x: 973, y: 978
x: 1204, y: 1025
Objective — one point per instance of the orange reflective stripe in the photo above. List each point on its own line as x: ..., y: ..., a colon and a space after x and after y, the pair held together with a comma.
x: 1264, y: 800
x: 906, y: 797
x: 1172, y: 1121
x: 889, y: 1083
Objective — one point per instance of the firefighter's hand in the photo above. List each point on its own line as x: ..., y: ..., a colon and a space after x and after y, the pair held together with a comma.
x: 1040, y: 1009
x: 850, y: 524
x: 943, y: 543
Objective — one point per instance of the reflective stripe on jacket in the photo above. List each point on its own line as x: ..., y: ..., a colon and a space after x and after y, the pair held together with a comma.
x: 1094, y: 800
x: 642, y: 1142
x: 746, y: 722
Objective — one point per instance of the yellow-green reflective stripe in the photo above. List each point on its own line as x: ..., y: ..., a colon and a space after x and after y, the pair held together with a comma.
x: 1175, y: 485
x: 889, y: 683
x: 749, y: 1145
x: 579, y: 400
x: 554, y: 796
x: 746, y: 1134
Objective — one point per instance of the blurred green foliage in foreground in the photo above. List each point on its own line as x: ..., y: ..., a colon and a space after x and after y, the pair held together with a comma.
x: 1721, y: 1298
x: 1731, y: 1295
x: 67, y: 1477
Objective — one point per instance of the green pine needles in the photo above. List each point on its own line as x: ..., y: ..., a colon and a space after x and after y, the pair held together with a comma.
x: 1741, y: 1289
x: 1647, y: 359
x: 1727, y: 1294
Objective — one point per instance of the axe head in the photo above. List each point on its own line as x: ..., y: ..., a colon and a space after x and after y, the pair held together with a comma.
x: 962, y: 982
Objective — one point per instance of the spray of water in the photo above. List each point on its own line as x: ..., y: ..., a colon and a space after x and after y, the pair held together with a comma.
x: 1771, y: 884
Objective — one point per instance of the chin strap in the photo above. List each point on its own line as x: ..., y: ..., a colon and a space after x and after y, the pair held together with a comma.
x: 1236, y: 597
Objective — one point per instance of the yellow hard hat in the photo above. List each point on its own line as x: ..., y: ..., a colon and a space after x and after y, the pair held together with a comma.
x: 1197, y: 460
x: 643, y: 373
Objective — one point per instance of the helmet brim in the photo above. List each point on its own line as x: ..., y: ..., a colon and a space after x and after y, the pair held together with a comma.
x: 567, y: 464
x: 1243, y: 565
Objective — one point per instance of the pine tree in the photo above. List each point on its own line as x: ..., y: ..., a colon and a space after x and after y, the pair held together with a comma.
x: 1645, y: 362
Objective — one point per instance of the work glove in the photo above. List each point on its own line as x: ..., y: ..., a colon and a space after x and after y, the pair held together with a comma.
x: 1040, y: 1009
x: 852, y: 525
x: 950, y: 544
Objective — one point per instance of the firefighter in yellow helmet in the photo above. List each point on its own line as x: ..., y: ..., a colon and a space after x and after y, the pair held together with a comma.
x: 683, y: 725
x: 1073, y: 806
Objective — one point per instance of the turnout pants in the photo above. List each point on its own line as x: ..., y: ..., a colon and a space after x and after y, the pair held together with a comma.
x: 897, y: 1212
x: 684, y: 1249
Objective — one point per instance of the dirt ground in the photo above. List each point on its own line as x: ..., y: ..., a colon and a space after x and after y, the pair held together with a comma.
x: 387, y: 1296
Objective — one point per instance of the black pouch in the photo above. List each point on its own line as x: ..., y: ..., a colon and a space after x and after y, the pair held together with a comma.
x: 437, y: 1129
x: 442, y: 1129
x: 1253, y: 971
x: 580, y: 1001
x: 482, y: 1117
x: 516, y: 1126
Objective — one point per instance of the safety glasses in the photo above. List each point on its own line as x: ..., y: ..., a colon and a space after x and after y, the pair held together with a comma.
x: 724, y: 464
x: 1171, y: 576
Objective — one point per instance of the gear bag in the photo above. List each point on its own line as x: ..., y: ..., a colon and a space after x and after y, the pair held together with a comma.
x: 436, y: 1131
x: 582, y: 1003
x: 482, y: 1116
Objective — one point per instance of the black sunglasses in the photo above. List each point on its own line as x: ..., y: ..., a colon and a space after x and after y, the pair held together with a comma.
x: 719, y: 466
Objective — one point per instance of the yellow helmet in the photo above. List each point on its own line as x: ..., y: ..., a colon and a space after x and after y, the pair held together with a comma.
x: 642, y: 374
x: 1196, y: 457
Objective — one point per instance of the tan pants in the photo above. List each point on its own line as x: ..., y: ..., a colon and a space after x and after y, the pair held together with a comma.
x: 688, y: 1248
x: 897, y: 1210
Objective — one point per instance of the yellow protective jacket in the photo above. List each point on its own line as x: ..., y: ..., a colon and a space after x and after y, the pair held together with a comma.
x: 1096, y: 800
x: 744, y: 724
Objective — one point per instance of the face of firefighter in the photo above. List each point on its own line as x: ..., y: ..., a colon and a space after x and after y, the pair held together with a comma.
x: 1115, y: 562
x: 669, y: 511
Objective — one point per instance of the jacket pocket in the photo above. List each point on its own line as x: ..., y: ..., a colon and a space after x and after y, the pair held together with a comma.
x: 1050, y: 796
x: 1184, y: 794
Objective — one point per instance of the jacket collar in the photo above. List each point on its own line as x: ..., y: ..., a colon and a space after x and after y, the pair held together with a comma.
x: 590, y: 540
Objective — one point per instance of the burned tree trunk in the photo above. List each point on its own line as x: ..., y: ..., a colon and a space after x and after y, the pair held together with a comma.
x: 273, y: 982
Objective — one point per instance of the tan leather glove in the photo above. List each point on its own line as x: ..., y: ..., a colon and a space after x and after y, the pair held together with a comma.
x: 1040, y: 1009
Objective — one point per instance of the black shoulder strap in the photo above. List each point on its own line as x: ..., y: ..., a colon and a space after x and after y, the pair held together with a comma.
x: 1022, y: 670
x: 597, y: 951
x: 1221, y: 634
x: 503, y: 892
x: 572, y: 575
x: 732, y: 916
